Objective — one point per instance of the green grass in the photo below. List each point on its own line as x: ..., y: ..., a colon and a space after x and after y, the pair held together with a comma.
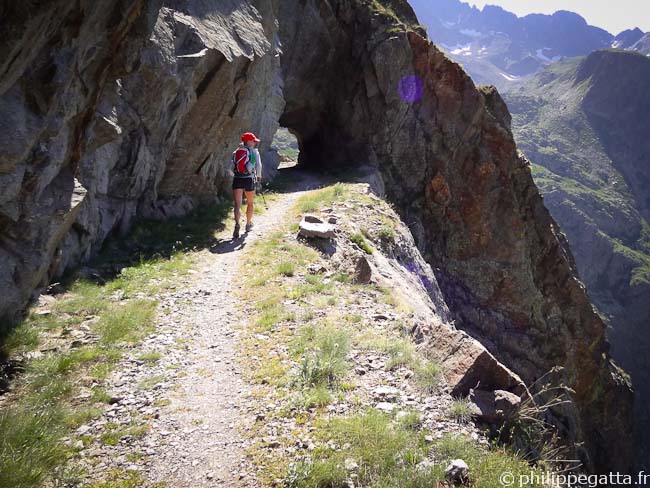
x: 150, y: 357
x: 387, y: 233
x: 401, y: 353
x: 286, y: 268
x: 641, y: 272
x: 42, y: 371
x: 46, y: 407
x: 324, y: 361
x: 271, y: 316
x: 385, y: 8
x: 150, y: 276
x: 354, y: 318
x: 319, y: 286
x: 387, y: 454
x: 21, y: 339
x: 151, y: 382
x: 154, y: 239
x: 315, y: 200
x: 314, y: 285
x: 360, y: 241
x: 342, y: 277
x: 319, y: 396
x: 46, y: 410
x: 375, y: 445
x: 461, y: 410
x: 274, y: 372
x: 129, y: 323
x: 123, y: 479
x: 486, y: 465
x: 29, y: 445
x: 99, y: 395
x: 411, y: 421
x: 114, y: 433
x: 428, y: 376
x: 85, y: 298
x: 101, y: 370
x: 265, y: 255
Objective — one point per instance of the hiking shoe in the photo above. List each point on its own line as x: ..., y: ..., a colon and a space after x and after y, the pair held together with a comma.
x: 249, y: 226
x: 235, y: 233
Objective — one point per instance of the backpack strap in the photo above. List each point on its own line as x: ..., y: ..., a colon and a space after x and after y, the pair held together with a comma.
x: 252, y: 157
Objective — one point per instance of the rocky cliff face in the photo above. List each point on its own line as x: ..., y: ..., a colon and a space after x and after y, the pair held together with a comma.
x: 584, y: 122
x: 114, y: 111
x: 117, y: 110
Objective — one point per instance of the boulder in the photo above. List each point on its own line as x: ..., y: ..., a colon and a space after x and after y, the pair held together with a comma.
x: 492, y: 406
x: 386, y: 393
x: 457, y: 472
x: 312, y: 229
x: 362, y: 271
x: 312, y: 218
x: 385, y: 407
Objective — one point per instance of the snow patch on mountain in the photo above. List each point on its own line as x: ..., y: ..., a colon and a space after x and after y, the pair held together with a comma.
x: 510, y: 77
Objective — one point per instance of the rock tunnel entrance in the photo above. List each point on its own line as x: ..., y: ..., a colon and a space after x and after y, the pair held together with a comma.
x: 285, y: 144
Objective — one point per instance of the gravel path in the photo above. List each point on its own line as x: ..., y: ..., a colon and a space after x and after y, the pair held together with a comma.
x: 210, y: 402
x: 184, y: 418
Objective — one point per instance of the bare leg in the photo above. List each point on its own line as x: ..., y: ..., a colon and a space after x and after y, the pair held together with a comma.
x: 238, y: 193
x: 250, y: 196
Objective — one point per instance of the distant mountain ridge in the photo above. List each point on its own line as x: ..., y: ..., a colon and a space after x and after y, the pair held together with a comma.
x: 642, y: 45
x: 584, y: 122
x: 628, y: 38
x: 499, y: 48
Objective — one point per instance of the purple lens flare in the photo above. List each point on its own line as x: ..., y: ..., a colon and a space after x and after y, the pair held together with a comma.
x: 410, y: 88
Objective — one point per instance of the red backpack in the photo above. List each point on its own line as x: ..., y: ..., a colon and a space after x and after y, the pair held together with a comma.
x: 241, y: 162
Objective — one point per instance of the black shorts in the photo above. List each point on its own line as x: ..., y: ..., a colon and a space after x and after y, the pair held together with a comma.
x: 248, y: 184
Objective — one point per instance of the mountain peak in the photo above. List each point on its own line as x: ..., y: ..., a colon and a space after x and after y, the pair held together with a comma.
x: 568, y: 15
x: 627, y: 38
x: 606, y: 65
x: 635, y: 31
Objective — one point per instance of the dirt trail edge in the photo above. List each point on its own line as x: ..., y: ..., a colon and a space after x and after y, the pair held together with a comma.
x: 200, y: 426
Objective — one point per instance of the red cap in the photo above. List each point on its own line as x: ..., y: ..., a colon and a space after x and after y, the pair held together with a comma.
x: 249, y: 136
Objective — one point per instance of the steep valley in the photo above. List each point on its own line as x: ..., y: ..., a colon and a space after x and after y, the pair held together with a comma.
x: 584, y: 123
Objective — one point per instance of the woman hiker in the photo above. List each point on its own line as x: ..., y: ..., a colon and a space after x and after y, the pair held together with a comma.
x: 247, y: 169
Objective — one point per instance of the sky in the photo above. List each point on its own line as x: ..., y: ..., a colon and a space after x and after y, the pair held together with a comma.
x: 612, y: 15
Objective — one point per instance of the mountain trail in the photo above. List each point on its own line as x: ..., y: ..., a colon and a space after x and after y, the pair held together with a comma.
x: 207, y: 406
x: 183, y: 409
